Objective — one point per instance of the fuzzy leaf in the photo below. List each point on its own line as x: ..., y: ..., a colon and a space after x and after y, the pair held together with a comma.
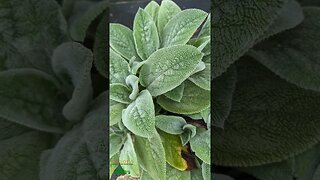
x: 80, y: 20
x: 119, y: 68
x: 30, y: 30
x: 72, y: 62
x: 294, y: 55
x: 115, y: 144
x: 173, y: 151
x: 116, y: 113
x: 121, y: 40
x: 139, y: 116
x: 38, y: 106
x: 174, y: 174
x: 236, y: 26
x: 170, y: 124
x: 145, y: 34
x: 151, y: 155
x: 120, y: 93
x: 100, y: 50
x: 202, y: 78
x: 152, y: 9
x: 196, y: 174
x: 206, y: 171
x: 128, y: 154
x: 206, y: 28
x: 181, y: 27
x: 176, y: 93
x: 168, y: 68
x: 200, y: 144
x: 223, y: 88
x: 265, y: 122
x: 194, y: 100
x: 167, y: 11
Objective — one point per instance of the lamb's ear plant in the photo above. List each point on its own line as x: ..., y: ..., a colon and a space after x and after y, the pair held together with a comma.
x: 160, y: 93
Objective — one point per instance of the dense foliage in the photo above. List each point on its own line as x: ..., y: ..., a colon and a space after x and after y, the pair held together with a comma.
x: 160, y: 93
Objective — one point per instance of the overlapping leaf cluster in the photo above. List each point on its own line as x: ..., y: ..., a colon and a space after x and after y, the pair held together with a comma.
x: 52, y: 118
x: 267, y: 98
x: 160, y: 94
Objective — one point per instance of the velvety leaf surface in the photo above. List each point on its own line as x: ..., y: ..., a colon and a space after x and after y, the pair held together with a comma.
x: 139, y: 116
x: 294, y: 55
x: 181, y: 27
x: 20, y: 155
x: 129, y: 155
x: 173, y: 151
x: 40, y: 103
x: 176, y: 93
x: 152, y: 9
x: 119, y: 68
x: 116, y: 113
x: 174, y: 174
x: 170, y: 124
x: 145, y: 34
x: 121, y: 40
x: 151, y: 155
x: 270, y: 119
x: 84, y: 13
x: 223, y: 88
x: 194, y: 100
x: 206, y: 28
x: 167, y: 11
x: 100, y: 50
x: 72, y: 63
x: 236, y: 26
x: 202, y: 78
x: 168, y: 68
x: 120, y: 93
x: 206, y: 171
x: 200, y: 144
x: 30, y: 30
x: 115, y: 144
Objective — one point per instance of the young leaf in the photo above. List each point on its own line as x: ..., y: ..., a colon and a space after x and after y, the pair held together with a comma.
x: 151, y: 155
x: 120, y: 93
x: 241, y: 23
x: 200, y: 144
x: 167, y: 11
x: 129, y: 155
x: 181, y: 27
x: 119, y: 68
x: 167, y: 68
x: 294, y: 55
x: 37, y: 101
x: 20, y: 155
x: 202, y: 78
x: 100, y: 49
x: 170, y: 124
x: 121, y: 40
x: 174, y: 174
x: 145, y: 34
x: 191, y: 128
x: 27, y: 39
x: 194, y: 100
x: 176, y: 93
x: 223, y: 88
x: 152, y: 9
x: 139, y: 116
x: 173, y: 151
x: 133, y: 82
x: 185, y: 137
x: 206, y: 171
x: 116, y: 113
x: 266, y: 112
x: 72, y: 62
x: 80, y: 21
